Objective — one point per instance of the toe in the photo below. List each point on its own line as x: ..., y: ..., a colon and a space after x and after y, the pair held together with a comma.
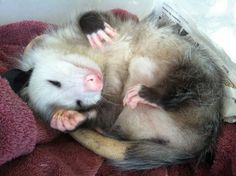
x: 96, y: 40
x: 79, y: 118
x: 134, y: 102
x: 67, y: 125
x: 75, y: 118
x: 60, y: 125
x: 110, y: 32
x: 91, y: 42
x: 109, y: 27
x: 102, y: 35
x: 129, y: 95
x: 53, y: 123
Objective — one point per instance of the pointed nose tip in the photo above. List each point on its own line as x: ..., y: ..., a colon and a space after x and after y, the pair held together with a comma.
x: 93, y: 82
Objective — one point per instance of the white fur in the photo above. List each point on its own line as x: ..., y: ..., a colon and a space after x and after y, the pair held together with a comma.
x: 68, y: 69
x: 143, y: 70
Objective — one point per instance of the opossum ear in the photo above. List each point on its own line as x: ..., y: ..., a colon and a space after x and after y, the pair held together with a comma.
x: 17, y: 78
x: 36, y: 41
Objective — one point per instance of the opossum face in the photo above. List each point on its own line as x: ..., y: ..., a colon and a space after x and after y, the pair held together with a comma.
x: 64, y: 81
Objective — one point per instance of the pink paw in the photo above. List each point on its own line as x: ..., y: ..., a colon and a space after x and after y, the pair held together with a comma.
x: 66, y: 120
x: 132, y: 98
x: 95, y: 39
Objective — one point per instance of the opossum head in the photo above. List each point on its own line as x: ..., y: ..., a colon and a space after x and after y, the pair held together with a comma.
x: 60, y: 80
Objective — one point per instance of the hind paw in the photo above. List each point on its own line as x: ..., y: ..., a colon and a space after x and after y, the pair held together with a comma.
x: 132, y: 98
x: 97, y: 38
x: 66, y: 120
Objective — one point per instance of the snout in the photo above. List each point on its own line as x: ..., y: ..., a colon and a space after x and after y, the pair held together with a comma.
x: 93, y: 82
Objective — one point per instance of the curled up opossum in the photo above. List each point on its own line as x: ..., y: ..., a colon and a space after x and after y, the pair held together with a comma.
x: 154, y: 94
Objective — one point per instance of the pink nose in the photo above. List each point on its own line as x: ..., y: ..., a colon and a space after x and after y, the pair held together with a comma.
x: 93, y: 82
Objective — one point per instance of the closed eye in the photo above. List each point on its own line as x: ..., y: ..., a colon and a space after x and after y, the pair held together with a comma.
x: 55, y: 83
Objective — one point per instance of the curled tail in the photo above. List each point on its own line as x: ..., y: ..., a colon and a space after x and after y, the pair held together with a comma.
x: 147, y: 154
x: 130, y: 155
x: 101, y: 145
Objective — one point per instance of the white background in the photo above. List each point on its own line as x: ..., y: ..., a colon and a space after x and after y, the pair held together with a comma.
x: 58, y: 11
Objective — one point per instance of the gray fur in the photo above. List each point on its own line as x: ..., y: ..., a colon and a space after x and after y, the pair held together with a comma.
x: 181, y: 78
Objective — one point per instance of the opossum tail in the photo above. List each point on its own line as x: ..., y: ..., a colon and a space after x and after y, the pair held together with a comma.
x: 129, y: 155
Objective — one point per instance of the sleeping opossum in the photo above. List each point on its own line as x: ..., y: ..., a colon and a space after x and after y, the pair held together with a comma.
x: 171, y: 89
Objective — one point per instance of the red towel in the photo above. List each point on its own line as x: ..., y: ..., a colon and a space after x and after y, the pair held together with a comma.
x: 29, y: 147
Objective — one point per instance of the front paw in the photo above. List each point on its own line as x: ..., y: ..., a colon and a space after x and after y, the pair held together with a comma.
x: 66, y: 120
x: 97, y: 38
x: 132, y: 98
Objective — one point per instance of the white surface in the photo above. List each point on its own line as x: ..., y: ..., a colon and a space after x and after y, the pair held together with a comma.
x: 58, y: 11
x: 215, y: 18
x: 211, y: 23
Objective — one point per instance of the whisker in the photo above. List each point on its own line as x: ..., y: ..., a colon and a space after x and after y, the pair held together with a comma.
x: 98, y: 107
x: 111, y: 95
x: 108, y: 101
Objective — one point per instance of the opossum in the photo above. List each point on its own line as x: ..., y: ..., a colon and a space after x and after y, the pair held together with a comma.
x: 171, y: 89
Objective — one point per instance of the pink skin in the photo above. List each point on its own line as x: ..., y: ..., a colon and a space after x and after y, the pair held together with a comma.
x: 93, y: 82
x: 66, y: 120
x: 96, y: 39
x: 132, y: 98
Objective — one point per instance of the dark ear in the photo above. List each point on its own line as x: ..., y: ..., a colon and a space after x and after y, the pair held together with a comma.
x: 17, y: 78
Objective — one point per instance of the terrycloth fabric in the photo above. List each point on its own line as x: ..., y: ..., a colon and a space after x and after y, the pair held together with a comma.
x: 17, y: 134
x: 19, y: 131
x: 29, y: 147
